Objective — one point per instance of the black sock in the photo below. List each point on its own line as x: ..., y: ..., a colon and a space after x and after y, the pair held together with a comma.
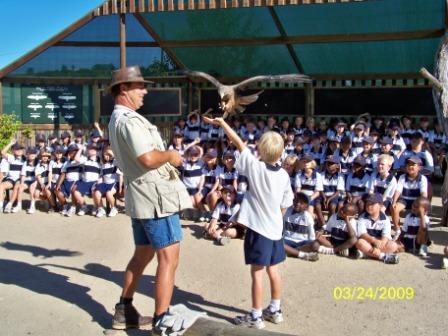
x: 156, y: 318
x: 125, y: 301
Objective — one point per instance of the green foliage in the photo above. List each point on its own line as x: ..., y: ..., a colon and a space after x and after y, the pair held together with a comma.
x: 8, y: 127
x: 27, y: 131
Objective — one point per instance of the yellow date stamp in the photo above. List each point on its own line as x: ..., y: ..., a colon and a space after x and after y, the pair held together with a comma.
x: 361, y: 293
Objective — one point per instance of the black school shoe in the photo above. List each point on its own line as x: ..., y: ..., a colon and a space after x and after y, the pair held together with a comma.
x: 127, y: 317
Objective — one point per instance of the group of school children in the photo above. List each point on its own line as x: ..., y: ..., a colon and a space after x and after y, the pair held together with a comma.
x: 61, y: 173
x: 352, y: 183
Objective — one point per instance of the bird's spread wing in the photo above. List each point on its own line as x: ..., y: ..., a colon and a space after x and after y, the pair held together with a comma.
x: 246, y: 100
x: 274, y: 78
x: 204, y: 75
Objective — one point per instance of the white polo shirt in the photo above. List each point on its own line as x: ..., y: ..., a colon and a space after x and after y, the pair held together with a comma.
x: 270, y: 190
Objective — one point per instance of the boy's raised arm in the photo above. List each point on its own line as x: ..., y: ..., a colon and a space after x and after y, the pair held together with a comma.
x: 231, y: 134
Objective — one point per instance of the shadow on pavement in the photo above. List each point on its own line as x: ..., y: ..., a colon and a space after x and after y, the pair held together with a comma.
x: 37, y: 251
x: 40, y: 280
x: 191, y: 300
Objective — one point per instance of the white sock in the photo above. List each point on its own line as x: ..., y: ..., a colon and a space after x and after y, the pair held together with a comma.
x: 325, y: 250
x: 274, y: 305
x: 382, y: 255
x: 302, y: 254
x: 256, y: 313
x: 32, y: 203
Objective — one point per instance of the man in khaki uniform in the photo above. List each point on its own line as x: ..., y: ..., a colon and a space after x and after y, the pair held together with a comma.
x: 154, y: 196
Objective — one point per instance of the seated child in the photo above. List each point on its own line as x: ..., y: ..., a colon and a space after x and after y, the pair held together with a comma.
x: 220, y: 228
x: 415, y: 228
x: 409, y: 187
x: 193, y: 176
x: 333, y: 184
x: 374, y: 227
x: 342, y: 229
x: 383, y: 182
x: 42, y: 171
x: 111, y: 183
x: 357, y: 184
x: 70, y: 174
x: 54, y: 171
x: 309, y: 181
x: 90, y: 175
x: 210, y: 171
x: 11, y: 167
x: 298, y: 231
x: 28, y: 181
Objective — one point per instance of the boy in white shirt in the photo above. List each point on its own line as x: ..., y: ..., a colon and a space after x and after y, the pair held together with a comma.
x: 261, y: 212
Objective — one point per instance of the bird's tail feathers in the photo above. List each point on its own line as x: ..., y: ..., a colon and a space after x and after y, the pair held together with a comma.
x: 246, y: 100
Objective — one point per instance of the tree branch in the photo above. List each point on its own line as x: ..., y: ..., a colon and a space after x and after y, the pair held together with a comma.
x: 434, y: 81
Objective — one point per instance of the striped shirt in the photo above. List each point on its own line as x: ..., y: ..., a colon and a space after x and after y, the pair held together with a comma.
x: 210, y: 176
x: 15, y: 165
x: 309, y: 184
x: 412, y: 189
x: 91, y: 169
x: 227, y: 177
x: 384, y: 186
x: 72, y: 170
x: 376, y: 228
x: 346, y: 160
x: 398, y: 145
x: 371, y: 160
x: 29, y: 171
x: 298, y: 226
x: 192, y: 130
x: 55, y: 168
x: 332, y: 183
x: 358, y: 185
x: 224, y: 213
x: 357, y: 144
x: 42, y: 171
x: 337, y: 227
x: 110, y: 172
x: 412, y: 224
x: 192, y: 174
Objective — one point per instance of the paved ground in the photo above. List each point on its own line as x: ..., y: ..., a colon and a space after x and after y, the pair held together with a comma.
x: 62, y: 276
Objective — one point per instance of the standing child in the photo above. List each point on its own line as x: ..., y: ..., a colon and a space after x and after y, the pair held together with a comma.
x: 299, y: 230
x: 262, y: 212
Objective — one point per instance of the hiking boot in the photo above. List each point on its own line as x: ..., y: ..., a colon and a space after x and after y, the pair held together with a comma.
x: 127, y: 317
x: 274, y: 317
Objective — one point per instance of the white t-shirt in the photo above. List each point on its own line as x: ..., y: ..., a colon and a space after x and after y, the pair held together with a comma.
x: 299, y: 226
x: 270, y: 190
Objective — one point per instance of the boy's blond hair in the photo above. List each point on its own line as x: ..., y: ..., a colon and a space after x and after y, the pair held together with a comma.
x: 386, y: 158
x: 291, y: 160
x: 270, y: 147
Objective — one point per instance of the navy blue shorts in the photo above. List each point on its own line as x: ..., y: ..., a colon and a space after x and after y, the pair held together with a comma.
x: 295, y: 245
x: 192, y: 191
x: 259, y: 250
x: 9, y: 180
x: 157, y: 232
x: 387, y: 203
x: 28, y: 183
x: 66, y: 187
x: 239, y: 198
x: 85, y: 188
x: 205, y: 191
x: 407, y: 202
x: 103, y: 188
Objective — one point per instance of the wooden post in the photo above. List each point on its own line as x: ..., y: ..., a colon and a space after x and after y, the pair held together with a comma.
x: 122, y: 40
x: 309, y: 100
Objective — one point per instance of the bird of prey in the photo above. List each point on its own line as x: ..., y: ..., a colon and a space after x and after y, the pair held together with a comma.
x: 232, y: 101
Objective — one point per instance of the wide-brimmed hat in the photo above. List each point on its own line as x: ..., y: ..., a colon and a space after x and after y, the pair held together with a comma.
x: 130, y: 74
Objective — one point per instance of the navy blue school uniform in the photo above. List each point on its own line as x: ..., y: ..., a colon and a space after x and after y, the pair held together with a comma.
x: 375, y: 228
x: 371, y: 161
x: 29, y: 172
x: 410, y: 229
x: 192, y: 173
x: 357, y: 144
x: 318, y: 155
x: 332, y: 184
x: 406, y: 134
x: 309, y: 185
x: 192, y: 131
x: 15, y: 164
x: 289, y: 148
x: 411, y: 189
x: 90, y: 174
x: 358, y: 185
x: 228, y: 177
x: 110, y: 177
x: 210, y: 177
x: 72, y: 170
x: 398, y: 145
x: 346, y: 160
x: 337, y: 227
x: 424, y: 155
